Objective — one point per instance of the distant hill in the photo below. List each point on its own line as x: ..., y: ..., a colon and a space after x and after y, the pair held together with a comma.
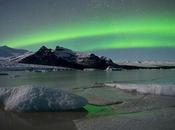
x: 6, y: 51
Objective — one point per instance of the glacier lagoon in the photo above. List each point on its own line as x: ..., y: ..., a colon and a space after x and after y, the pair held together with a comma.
x: 109, y: 108
x: 75, y: 78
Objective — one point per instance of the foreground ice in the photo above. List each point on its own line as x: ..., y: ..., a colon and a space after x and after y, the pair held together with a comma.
x: 27, y: 98
x: 156, y: 89
x: 161, y: 119
x: 136, y: 112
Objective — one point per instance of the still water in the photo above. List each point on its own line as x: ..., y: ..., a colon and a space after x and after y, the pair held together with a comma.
x: 74, y: 79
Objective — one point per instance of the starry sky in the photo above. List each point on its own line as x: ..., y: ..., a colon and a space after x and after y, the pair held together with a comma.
x: 90, y: 25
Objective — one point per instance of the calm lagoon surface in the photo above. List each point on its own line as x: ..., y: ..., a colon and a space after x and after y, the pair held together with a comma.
x: 135, y: 107
x: 74, y: 79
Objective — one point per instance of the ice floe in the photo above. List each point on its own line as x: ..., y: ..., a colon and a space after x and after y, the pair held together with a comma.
x: 29, y: 98
x: 157, y: 89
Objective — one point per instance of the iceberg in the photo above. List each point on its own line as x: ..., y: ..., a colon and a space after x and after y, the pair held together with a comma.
x: 155, y: 89
x: 29, y: 98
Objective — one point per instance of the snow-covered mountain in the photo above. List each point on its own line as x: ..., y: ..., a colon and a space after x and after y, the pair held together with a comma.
x: 67, y: 58
x: 63, y: 57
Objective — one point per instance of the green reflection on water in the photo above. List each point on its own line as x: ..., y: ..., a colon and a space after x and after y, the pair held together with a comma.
x: 96, y: 109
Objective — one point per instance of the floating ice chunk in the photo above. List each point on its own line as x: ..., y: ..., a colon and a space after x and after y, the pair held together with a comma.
x: 157, y: 89
x: 28, y: 98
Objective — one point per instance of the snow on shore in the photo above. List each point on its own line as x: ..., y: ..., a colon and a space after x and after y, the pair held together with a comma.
x: 156, y: 89
x: 147, y: 63
x: 30, y: 67
x: 28, y: 98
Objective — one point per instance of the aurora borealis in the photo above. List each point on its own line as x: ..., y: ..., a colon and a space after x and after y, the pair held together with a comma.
x: 88, y: 25
x: 152, y: 34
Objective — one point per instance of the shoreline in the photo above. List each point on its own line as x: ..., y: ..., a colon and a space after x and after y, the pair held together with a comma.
x: 109, y: 108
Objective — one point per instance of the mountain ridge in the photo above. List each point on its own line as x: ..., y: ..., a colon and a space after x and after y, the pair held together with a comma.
x: 64, y: 57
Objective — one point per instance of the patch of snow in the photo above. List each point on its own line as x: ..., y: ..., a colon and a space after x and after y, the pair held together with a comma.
x: 66, y: 54
x: 90, y: 69
x: 19, y: 57
x: 82, y: 55
x: 29, y: 67
x: 147, y: 63
x: 29, y: 98
x: 109, y: 68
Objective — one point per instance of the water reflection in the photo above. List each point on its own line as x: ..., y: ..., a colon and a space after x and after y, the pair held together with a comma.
x: 40, y: 120
x: 74, y: 79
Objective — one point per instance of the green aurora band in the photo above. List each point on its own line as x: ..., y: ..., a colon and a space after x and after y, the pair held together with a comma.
x: 138, y: 32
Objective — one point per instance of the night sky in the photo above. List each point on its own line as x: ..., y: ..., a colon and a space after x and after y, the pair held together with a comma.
x: 89, y: 25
